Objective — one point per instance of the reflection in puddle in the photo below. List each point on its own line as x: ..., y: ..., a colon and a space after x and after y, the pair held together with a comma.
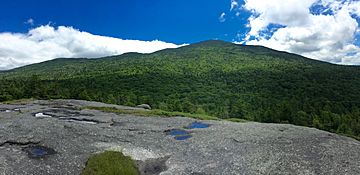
x: 9, y: 110
x: 42, y: 115
x: 182, y: 137
x: 57, y: 113
x: 84, y: 121
x: 39, y: 151
x: 176, y: 132
x: 67, y: 119
x: 179, y: 134
x: 197, y: 125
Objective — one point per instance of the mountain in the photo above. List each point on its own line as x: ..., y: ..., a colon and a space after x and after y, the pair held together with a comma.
x: 212, y: 77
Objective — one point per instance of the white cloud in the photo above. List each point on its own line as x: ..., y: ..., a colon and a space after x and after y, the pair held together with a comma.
x: 30, y: 21
x: 222, y: 17
x: 47, y: 42
x: 234, y: 4
x: 327, y: 36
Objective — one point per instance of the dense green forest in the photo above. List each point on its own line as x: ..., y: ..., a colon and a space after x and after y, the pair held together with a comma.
x: 213, y: 77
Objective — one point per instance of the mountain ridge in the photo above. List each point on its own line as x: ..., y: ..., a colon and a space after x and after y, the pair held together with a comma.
x: 212, y: 77
x: 206, y: 43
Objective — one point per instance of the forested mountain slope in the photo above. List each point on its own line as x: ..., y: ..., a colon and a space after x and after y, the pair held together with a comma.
x: 212, y: 77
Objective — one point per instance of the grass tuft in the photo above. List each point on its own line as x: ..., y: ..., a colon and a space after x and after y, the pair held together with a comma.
x: 110, y: 163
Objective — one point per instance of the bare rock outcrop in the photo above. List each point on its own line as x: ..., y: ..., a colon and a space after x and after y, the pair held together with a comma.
x: 61, y: 142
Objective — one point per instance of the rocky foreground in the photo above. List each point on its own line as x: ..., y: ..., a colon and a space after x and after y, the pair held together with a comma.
x: 57, y: 137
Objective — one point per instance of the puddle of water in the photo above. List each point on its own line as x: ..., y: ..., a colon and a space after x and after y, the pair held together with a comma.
x: 80, y: 120
x: 5, y: 110
x: 58, y: 113
x: 195, y: 125
x: 182, y: 137
x: 9, y: 110
x: 39, y: 151
x: 68, y: 119
x: 42, y: 115
x: 178, y: 134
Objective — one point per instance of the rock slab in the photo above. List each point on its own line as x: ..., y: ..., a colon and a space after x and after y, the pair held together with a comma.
x: 75, y: 133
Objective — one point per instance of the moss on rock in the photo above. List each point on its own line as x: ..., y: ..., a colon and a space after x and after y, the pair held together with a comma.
x: 110, y: 163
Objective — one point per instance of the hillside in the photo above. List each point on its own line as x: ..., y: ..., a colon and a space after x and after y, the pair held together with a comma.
x: 212, y: 77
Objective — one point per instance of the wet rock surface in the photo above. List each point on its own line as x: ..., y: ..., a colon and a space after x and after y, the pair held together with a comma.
x: 38, y: 151
x: 61, y: 140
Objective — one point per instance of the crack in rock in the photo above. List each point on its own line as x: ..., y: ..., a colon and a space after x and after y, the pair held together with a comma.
x: 19, y: 143
x: 115, y: 123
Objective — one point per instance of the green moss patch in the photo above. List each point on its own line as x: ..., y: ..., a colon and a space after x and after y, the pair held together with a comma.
x: 110, y: 163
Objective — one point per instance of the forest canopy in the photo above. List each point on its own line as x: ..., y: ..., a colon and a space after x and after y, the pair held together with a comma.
x: 213, y: 77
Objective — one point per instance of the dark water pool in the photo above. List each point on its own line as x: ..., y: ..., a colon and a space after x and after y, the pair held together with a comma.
x: 9, y: 110
x: 39, y: 151
x: 179, y: 134
x: 182, y: 137
x: 197, y: 125
x: 176, y: 132
x: 80, y: 120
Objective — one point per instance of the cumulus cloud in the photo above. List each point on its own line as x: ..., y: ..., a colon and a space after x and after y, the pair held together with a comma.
x: 320, y: 29
x: 48, y: 42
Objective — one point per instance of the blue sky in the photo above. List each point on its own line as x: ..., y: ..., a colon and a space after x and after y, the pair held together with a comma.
x: 175, y: 21
x: 40, y: 30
